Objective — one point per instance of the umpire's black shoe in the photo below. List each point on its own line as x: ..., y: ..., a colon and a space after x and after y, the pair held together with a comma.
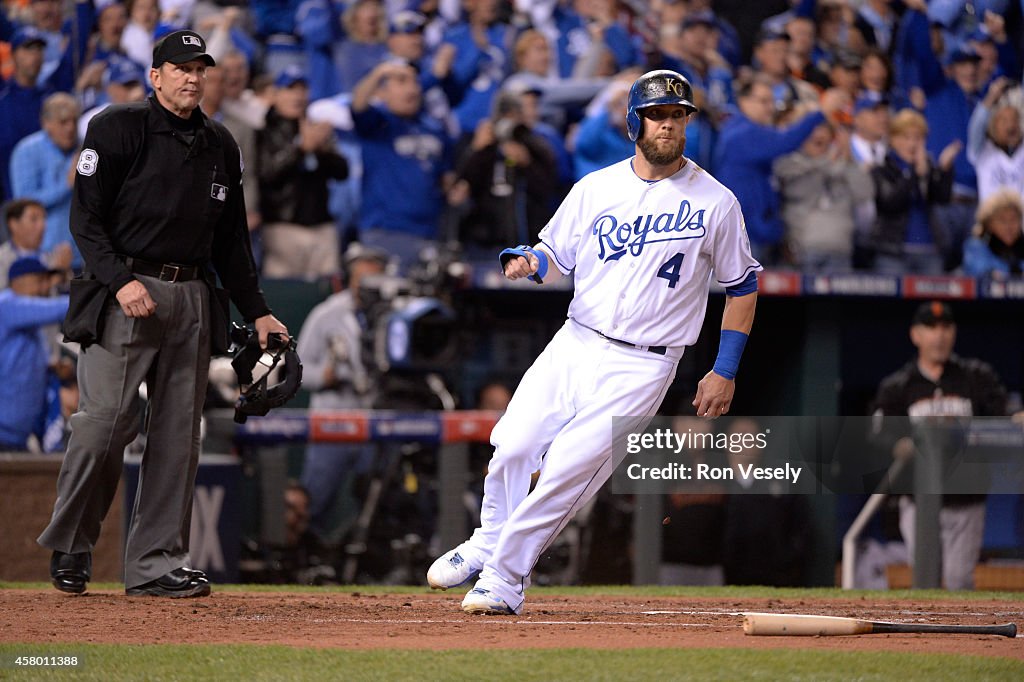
x: 197, y: 575
x: 70, y: 572
x: 177, y: 584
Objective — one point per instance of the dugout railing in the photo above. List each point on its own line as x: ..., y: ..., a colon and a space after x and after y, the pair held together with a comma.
x: 980, y: 437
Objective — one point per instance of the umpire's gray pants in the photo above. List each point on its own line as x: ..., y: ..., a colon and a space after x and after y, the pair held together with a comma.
x: 170, y: 351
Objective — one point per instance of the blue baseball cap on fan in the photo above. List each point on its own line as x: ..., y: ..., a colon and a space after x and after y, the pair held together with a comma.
x: 27, y: 35
x: 292, y: 74
x: 962, y: 53
x: 407, y: 21
x: 869, y: 102
x: 26, y: 265
x: 123, y: 71
x: 768, y: 34
x: 699, y: 19
x: 980, y: 35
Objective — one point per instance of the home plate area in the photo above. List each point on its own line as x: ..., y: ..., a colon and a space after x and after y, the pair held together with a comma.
x: 307, y: 617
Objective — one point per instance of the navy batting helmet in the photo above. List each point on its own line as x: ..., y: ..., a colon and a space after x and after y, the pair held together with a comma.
x: 654, y: 88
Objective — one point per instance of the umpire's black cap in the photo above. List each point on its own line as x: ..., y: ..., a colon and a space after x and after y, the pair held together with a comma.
x: 933, y: 313
x: 180, y: 47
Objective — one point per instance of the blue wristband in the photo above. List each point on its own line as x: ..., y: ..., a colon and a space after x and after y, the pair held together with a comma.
x: 522, y: 250
x: 730, y: 349
x: 747, y: 286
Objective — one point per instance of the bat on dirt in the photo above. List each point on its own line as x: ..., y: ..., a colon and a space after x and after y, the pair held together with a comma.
x: 810, y: 626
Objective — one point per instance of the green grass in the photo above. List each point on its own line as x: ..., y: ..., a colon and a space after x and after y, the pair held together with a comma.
x: 248, y: 662
x: 754, y: 592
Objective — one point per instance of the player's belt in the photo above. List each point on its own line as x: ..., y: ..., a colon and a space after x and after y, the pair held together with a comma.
x: 168, y: 272
x: 657, y: 350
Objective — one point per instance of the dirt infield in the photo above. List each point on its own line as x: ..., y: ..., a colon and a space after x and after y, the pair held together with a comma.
x: 434, y: 621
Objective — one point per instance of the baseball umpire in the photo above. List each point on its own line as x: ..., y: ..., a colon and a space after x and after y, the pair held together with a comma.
x: 642, y: 238
x: 157, y: 201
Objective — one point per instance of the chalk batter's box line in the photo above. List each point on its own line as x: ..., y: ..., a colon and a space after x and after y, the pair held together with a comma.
x: 412, y: 621
x: 993, y: 614
x: 501, y: 620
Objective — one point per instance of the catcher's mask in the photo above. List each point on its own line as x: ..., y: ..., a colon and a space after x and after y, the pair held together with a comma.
x: 654, y: 88
x: 256, y: 398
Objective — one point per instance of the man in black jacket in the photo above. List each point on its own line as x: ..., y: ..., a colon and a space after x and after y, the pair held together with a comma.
x: 157, y: 200
x: 506, y: 180
x: 940, y: 384
x: 296, y: 159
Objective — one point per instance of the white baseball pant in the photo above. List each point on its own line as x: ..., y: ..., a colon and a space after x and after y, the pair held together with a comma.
x: 560, y: 422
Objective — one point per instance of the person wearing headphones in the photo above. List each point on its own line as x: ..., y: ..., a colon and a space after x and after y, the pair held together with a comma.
x: 330, y: 345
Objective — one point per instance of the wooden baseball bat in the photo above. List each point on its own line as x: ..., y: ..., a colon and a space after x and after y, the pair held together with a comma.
x: 810, y: 626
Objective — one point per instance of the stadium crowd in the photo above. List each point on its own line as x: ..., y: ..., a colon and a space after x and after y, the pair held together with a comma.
x: 856, y: 133
x: 859, y: 135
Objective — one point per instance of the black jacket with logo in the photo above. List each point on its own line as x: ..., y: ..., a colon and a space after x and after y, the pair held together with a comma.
x: 143, y: 190
x: 967, y: 388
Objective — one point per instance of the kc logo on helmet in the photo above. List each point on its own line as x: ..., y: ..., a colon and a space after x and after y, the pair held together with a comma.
x: 191, y: 40
x: 675, y: 86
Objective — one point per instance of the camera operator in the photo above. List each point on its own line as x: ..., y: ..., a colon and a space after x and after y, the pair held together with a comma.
x: 505, y: 180
x: 409, y: 342
x: 331, y: 347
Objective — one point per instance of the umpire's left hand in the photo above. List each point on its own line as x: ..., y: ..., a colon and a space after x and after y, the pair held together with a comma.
x: 266, y: 325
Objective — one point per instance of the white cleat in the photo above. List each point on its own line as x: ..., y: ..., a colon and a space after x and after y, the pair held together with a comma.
x: 479, y: 600
x: 450, y: 570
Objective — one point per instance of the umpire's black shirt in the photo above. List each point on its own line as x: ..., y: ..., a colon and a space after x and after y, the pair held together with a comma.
x: 154, y: 186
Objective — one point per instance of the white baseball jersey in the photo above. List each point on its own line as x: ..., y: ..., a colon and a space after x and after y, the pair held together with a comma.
x: 996, y: 170
x: 643, y: 251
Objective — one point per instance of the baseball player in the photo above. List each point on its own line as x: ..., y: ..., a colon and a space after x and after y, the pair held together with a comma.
x: 642, y: 238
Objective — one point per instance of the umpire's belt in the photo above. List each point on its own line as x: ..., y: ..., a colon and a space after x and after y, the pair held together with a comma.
x: 168, y: 272
x: 657, y: 350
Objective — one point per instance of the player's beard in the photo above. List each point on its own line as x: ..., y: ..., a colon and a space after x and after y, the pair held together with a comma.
x: 658, y: 155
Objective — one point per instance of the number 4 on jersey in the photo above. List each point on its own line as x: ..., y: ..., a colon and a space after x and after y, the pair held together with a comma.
x: 670, y: 270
